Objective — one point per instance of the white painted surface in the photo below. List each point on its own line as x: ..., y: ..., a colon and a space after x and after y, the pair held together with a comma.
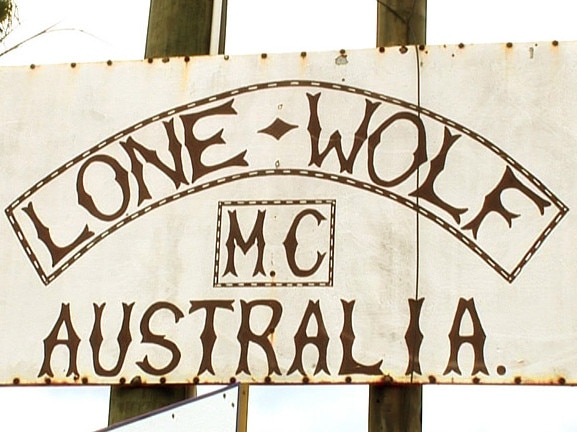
x: 347, y: 243
x: 213, y: 412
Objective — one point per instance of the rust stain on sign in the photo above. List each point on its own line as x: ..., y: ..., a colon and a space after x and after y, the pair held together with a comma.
x: 256, y: 219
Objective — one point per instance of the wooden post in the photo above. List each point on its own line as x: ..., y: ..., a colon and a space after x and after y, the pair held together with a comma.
x: 401, y: 22
x: 129, y: 401
x: 186, y: 27
x: 175, y: 28
x: 242, y: 422
x: 398, y: 408
x: 395, y: 408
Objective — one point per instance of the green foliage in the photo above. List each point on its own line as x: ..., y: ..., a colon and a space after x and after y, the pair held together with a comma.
x: 7, y: 17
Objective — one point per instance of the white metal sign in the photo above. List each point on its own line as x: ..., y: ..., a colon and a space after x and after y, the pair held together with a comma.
x: 213, y: 412
x: 399, y: 215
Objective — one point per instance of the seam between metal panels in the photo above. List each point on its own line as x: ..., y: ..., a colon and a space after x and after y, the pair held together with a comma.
x: 417, y: 214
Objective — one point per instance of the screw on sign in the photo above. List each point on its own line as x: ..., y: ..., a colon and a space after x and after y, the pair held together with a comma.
x: 300, y: 244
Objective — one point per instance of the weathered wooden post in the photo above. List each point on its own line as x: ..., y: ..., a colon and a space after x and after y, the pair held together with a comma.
x: 185, y: 27
x: 175, y: 28
x: 398, y: 408
x: 401, y: 22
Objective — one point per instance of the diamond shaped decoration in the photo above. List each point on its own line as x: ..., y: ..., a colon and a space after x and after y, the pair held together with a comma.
x: 278, y: 129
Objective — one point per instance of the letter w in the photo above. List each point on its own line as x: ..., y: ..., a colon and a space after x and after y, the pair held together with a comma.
x: 235, y: 238
x: 335, y: 141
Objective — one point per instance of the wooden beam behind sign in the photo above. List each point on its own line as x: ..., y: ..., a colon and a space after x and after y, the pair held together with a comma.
x: 365, y: 217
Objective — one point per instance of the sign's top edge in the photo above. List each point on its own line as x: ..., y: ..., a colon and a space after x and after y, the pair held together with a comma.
x: 383, y: 50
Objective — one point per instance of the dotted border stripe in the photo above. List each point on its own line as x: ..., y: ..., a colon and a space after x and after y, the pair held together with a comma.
x: 282, y: 84
x: 217, y: 247
x: 470, y: 244
x: 46, y: 279
x: 274, y: 202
